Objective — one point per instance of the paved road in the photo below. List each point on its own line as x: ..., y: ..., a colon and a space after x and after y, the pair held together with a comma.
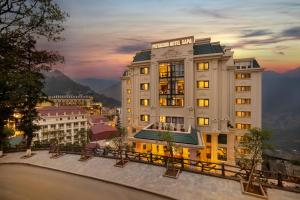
x: 19, y: 182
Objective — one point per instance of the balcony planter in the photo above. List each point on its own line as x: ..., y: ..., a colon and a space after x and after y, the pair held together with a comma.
x: 171, y: 173
x: 256, y: 190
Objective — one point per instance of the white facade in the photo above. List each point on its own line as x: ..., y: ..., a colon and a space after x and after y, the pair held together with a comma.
x: 201, y: 88
x: 66, y: 120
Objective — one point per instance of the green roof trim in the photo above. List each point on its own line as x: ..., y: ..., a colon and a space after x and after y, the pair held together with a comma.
x: 207, y: 49
x: 183, y: 138
x: 142, y: 56
x: 255, y: 64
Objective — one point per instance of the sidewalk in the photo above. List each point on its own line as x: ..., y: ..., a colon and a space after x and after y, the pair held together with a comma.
x: 147, y: 177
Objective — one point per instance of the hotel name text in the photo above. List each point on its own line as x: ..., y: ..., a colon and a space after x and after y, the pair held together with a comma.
x: 171, y: 43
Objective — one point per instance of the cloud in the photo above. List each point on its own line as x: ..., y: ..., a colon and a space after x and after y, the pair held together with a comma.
x: 203, y: 11
x: 132, y: 48
x: 280, y: 53
x: 255, y: 33
x: 291, y: 32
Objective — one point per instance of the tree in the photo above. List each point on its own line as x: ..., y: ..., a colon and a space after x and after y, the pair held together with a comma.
x: 22, y: 24
x: 119, y: 142
x: 83, y: 136
x: 167, y: 137
x: 6, y: 132
x: 254, y: 142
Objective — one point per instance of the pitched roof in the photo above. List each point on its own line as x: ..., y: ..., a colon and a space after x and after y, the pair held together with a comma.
x: 207, y: 48
x: 142, y: 56
x: 102, y: 131
x: 60, y: 110
x: 183, y: 138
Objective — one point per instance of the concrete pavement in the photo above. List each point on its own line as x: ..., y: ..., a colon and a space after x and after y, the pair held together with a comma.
x: 147, y: 177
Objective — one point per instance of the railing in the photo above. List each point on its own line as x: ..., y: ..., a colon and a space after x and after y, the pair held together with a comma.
x: 266, y: 178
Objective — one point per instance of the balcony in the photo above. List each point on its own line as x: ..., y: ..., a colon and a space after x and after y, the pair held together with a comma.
x: 171, y: 74
x: 171, y: 92
x: 179, y: 134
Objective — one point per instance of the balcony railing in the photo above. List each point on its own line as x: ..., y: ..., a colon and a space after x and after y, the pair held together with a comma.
x: 171, y: 74
x: 173, y: 92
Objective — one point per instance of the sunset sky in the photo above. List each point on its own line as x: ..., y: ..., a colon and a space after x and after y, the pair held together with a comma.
x: 102, y: 36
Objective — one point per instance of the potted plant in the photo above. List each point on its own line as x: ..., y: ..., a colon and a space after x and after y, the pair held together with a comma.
x: 254, y: 142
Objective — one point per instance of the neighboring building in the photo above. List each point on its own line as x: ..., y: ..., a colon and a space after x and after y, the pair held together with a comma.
x: 65, y: 120
x: 196, y: 89
x: 71, y: 100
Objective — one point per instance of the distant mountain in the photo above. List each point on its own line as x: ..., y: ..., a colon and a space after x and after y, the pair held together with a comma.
x: 97, y: 84
x: 107, y: 87
x: 281, y: 108
x: 113, y: 91
x: 58, y: 83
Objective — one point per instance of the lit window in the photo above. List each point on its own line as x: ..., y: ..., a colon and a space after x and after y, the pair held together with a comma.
x: 202, y: 84
x: 243, y: 101
x: 144, y: 86
x: 203, y: 66
x: 178, y: 101
x: 128, y: 100
x: 203, y: 102
x: 144, y: 102
x: 128, y: 110
x: 222, y: 153
x: 242, y: 76
x: 203, y: 121
x: 242, y: 88
x: 162, y: 119
x: 145, y: 118
x: 128, y: 91
x: 144, y: 70
x: 242, y: 126
x: 243, y: 114
x: 128, y: 81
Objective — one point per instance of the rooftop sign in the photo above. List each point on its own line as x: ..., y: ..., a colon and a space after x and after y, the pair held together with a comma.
x: 174, y: 42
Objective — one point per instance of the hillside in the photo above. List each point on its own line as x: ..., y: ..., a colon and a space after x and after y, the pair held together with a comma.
x: 113, y: 91
x: 58, y: 83
x: 97, y: 84
x: 281, y: 108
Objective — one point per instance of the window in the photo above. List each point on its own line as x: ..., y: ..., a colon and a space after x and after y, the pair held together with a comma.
x: 242, y: 126
x: 144, y: 102
x: 128, y: 81
x: 145, y: 118
x: 203, y: 121
x: 203, y: 66
x: 128, y: 100
x: 202, y: 102
x: 202, y: 84
x: 128, y: 110
x: 243, y: 101
x: 144, y: 70
x: 174, y: 101
x: 170, y: 119
x: 242, y: 88
x: 222, y: 139
x: 243, y: 114
x: 208, y: 152
x: 173, y: 87
x: 145, y: 86
x: 208, y: 138
x: 242, y: 76
x: 171, y: 69
x: 222, y: 153
x: 128, y: 91
x: 144, y: 146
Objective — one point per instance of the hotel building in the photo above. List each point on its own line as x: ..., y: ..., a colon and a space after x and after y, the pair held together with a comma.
x: 196, y: 90
x: 65, y: 121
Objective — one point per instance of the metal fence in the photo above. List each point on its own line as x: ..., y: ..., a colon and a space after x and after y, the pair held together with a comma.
x: 222, y: 170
